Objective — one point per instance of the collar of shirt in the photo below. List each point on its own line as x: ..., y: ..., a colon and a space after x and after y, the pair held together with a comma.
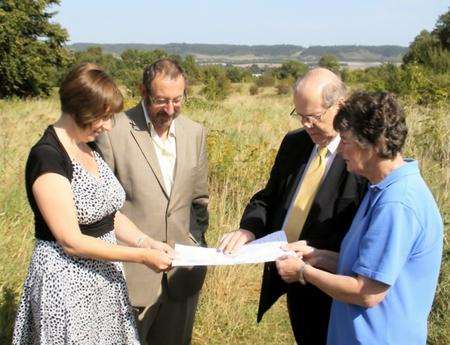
x: 152, y: 128
x: 375, y: 191
x: 409, y: 168
x: 165, y: 150
x: 331, y: 147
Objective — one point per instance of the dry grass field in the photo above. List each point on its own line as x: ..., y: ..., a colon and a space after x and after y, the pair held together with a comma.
x: 243, y: 136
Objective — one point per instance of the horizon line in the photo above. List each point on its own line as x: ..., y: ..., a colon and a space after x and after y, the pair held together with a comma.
x: 249, y: 45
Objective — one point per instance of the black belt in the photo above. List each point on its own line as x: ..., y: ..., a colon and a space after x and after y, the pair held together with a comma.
x: 96, y: 229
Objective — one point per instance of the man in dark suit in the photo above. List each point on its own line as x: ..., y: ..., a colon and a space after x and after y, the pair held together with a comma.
x: 310, y: 195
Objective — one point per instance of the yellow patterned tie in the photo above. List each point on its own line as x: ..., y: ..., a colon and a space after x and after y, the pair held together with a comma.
x: 305, y: 196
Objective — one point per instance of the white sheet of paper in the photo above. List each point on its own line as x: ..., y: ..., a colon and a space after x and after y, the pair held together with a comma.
x: 265, y: 249
x: 277, y: 236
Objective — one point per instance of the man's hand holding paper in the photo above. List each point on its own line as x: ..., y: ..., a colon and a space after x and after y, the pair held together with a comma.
x: 268, y: 248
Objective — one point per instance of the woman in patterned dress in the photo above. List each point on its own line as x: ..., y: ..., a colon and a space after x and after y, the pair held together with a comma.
x: 75, y: 291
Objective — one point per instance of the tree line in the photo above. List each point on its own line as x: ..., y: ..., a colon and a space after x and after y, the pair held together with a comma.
x: 34, y: 57
x: 350, y: 52
x: 424, y: 75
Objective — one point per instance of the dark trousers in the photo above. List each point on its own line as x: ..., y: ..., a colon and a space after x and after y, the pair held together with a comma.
x: 168, y: 321
x: 309, y: 312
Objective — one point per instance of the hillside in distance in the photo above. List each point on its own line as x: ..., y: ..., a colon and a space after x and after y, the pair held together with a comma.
x: 244, y: 54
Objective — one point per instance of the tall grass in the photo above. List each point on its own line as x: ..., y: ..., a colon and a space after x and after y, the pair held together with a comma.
x: 244, y: 133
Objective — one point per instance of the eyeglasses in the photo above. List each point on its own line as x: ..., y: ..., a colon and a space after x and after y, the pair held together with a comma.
x: 165, y: 101
x: 309, y: 118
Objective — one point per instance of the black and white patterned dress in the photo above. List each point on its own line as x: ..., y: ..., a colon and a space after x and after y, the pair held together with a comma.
x: 70, y: 300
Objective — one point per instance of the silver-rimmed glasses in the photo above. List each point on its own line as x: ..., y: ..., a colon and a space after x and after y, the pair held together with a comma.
x: 309, y: 118
x: 165, y: 101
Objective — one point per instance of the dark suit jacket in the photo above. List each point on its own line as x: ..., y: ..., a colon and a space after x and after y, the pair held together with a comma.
x: 329, y: 218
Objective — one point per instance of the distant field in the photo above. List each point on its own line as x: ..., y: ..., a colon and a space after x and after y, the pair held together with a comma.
x: 279, y: 53
x: 271, y: 62
x: 244, y: 133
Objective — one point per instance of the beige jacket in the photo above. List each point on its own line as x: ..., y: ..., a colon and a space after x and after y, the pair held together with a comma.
x: 180, y: 217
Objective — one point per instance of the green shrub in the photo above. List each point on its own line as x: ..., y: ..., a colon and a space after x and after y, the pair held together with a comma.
x: 200, y: 103
x: 265, y: 80
x: 217, y: 86
x: 416, y: 82
x: 284, y: 87
x: 131, y: 79
x: 253, y: 90
x: 331, y: 62
x: 291, y: 69
x: 237, y: 74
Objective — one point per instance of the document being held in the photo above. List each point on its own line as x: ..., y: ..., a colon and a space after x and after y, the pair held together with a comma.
x: 265, y: 249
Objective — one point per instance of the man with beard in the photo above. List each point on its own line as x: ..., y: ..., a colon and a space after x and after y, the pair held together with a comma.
x: 159, y: 156
x: 310, y: 195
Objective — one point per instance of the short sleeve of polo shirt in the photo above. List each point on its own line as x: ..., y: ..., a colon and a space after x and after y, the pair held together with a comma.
x: 387, y: 243
x: 44, y: 159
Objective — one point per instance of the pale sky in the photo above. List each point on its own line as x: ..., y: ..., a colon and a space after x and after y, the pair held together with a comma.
x: 306, y: 23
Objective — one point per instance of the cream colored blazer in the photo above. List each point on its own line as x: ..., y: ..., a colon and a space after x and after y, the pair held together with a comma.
x: 180, y: 217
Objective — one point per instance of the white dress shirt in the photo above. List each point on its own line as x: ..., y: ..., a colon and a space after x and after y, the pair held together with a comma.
x: 166, y: 150
x: 331, y: 153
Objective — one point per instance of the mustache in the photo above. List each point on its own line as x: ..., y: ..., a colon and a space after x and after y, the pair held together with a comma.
x: 162, y: 112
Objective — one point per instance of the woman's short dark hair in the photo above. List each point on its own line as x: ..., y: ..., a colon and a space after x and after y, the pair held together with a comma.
x: 376, y: 119
x: 88, y: 94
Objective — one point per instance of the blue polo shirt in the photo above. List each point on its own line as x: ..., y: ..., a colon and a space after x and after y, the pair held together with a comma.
x: 396, y: 238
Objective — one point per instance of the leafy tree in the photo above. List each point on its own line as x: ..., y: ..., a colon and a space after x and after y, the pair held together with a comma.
x: 217, y: 85
x: 176, y: 57
x: 432, y: 49
x: 421, y: 48
x: 131, y: 79
x: 31, y: 48
x: 255, y: 69
x: 291, y: 69
x: 127, y: 69
x: 330, y: 61
x: 138, y: 59
x: 442, y: 30
x: 96, y: 55
x: 191, y: 69
x: 237, y: 74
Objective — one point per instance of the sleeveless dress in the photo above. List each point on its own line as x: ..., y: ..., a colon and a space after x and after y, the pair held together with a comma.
x: 72, y: 300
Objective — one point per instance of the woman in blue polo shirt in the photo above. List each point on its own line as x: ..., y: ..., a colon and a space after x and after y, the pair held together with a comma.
x: 384, y: 278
